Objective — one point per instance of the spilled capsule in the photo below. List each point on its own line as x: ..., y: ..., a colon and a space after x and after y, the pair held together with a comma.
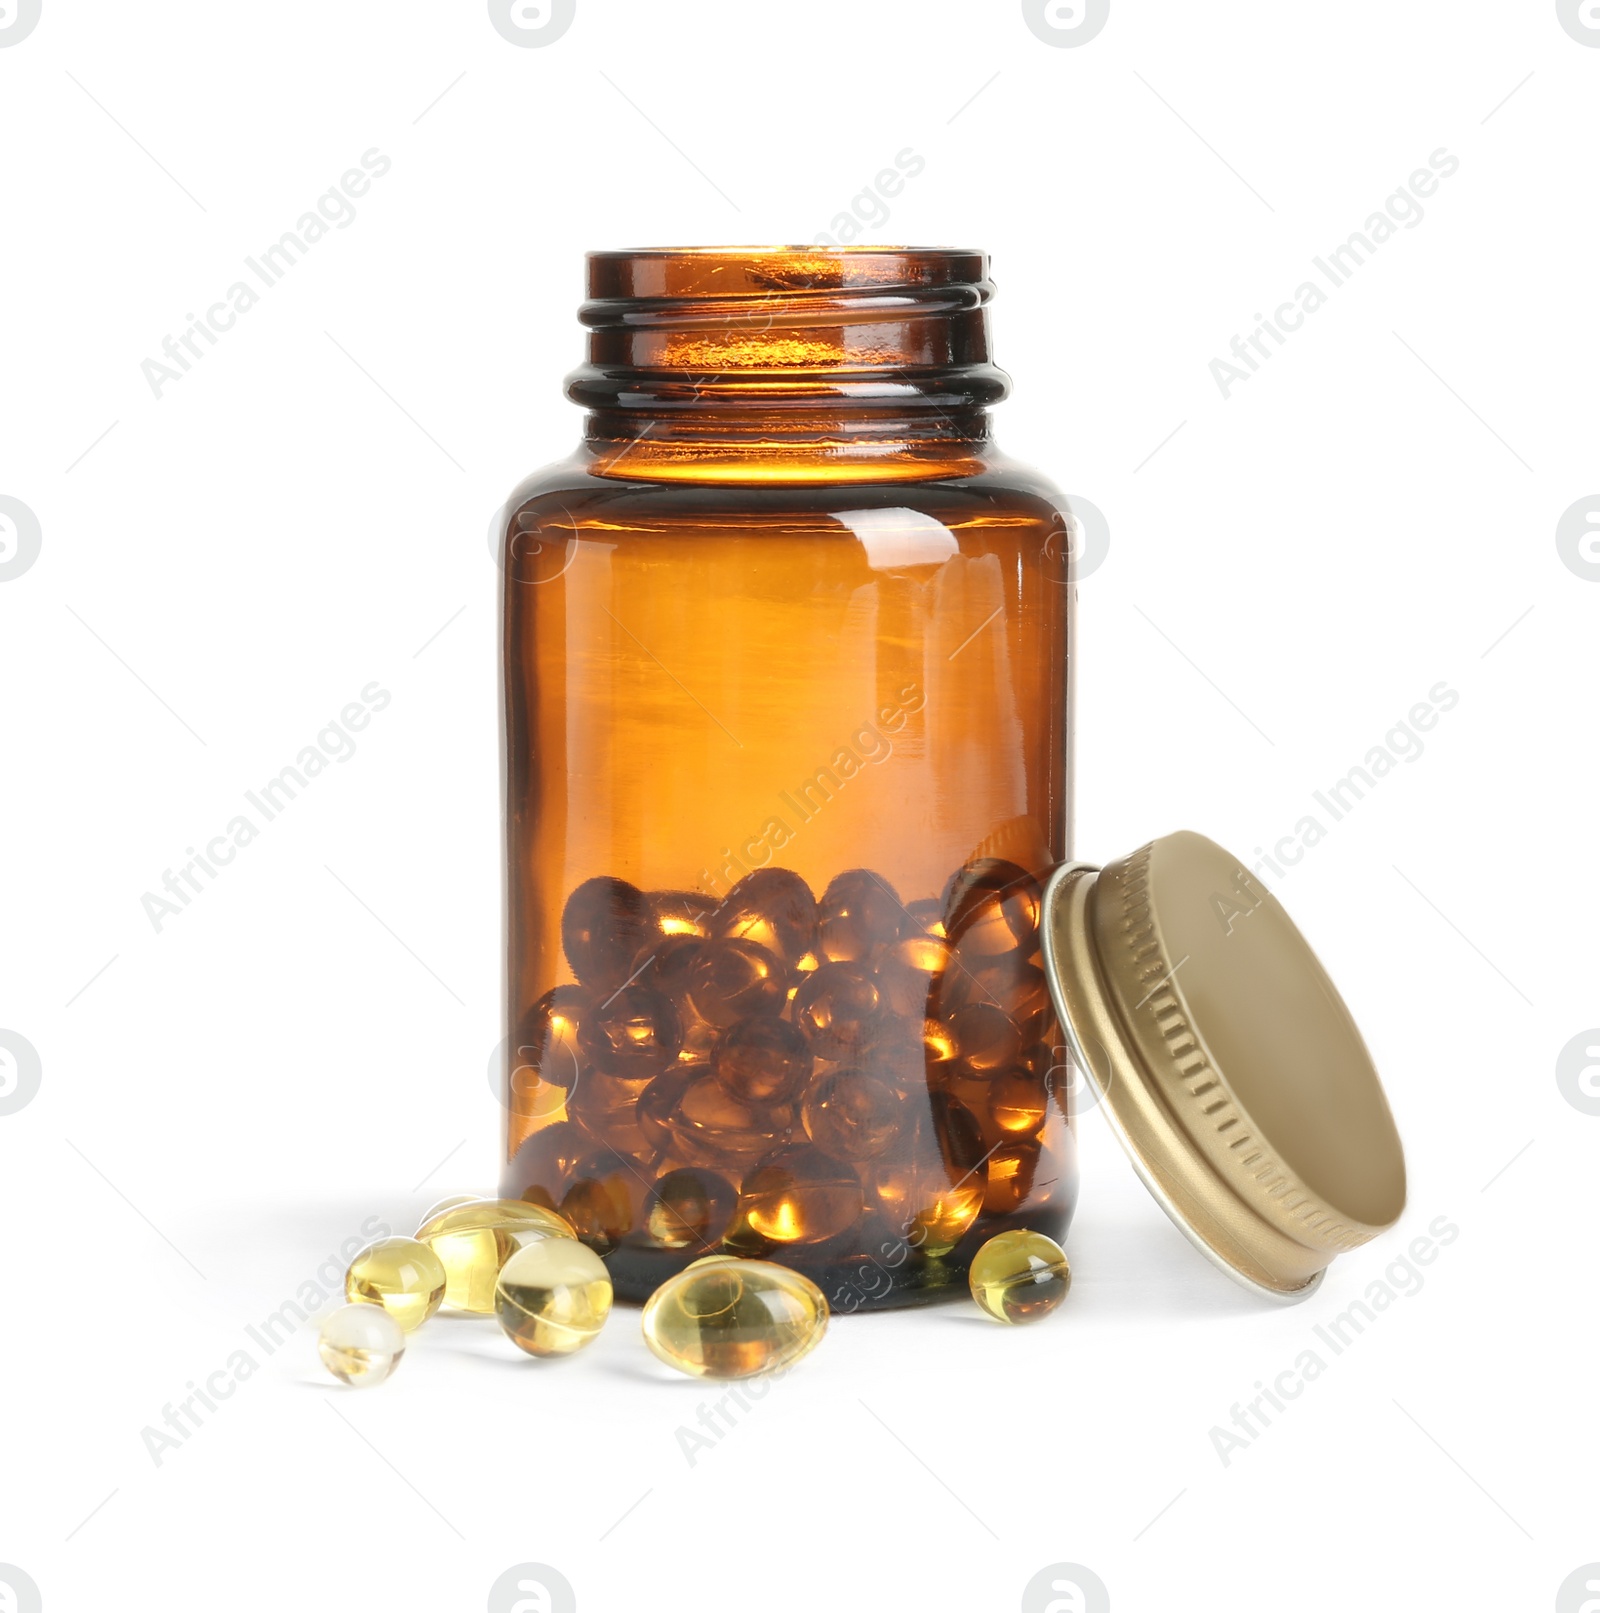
x: 1020, y: 1276
x: 360, y: 1344
x: 553, y: 1296
x: 404, y: 1276
x: 725, y: 1318
x: 474, y: 1240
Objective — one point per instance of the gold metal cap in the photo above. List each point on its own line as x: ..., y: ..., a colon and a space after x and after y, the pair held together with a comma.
x: 1226, y: 1061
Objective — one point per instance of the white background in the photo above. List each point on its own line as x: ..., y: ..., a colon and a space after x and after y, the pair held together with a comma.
x: 224, y: 569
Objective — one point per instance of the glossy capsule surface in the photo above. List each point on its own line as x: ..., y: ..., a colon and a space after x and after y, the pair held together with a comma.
x: 1020, y: 1276
x: 360, y: 1344
x: 553, y: 1297
x: 604, y: 1200
x: 772, y: 907
x: 762, y: 1061
x: 850, y: 1115
x: 402, y: 1275
x: 837, y: 1009
x: 473, y: 1241
x: 859, y: 912
x: 547, y: 1043
x: 635, y: 1033
x: 933, y: 1192
x: 799, y: 1195
x: 603, y: 927
x: 724, y: 1318
x: 605, y: 1108
x: 736, y: 979
x: 688, y: 1208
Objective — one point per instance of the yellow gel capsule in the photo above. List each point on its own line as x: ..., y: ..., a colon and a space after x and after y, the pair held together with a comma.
x: 1018, y: 1103
x: 475, y: 1240
x: 722, y: 1318
x: 931, y: 1212
x: 553, y: 1296
x: 934, y: 1192
x: 360, y: 1344
x: 403, y: 1276
x: 1020, y: 1276
x: 688, y: 1208
x: 799, y: 1195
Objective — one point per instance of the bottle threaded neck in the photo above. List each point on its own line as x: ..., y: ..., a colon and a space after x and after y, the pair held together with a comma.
x: 788, y: 332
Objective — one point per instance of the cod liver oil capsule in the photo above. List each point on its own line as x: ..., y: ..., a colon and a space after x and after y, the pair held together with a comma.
x: 858, y: 913
x: 910, y: 975
x: 987, y: 1039
x: 837, y: 1009
x: 1020, y: 1276
x: 1018, y: 1103
x: 634, y: 1033
x: 736, y: 979
x: 931, y: 1211
x: 991, y: 908
x: 402, y: 1275
x: 473, y: 1241
x: 548, y: 1040
x: 852, y: 1116
x: 664, y: 967
x: 774, y: 908
x: 934, y: 1191
x: 360, y: 1344
x: 553, y: 1296
x: 688, y: 1208
x: 605, y: 1108
x: 1019, y: 1173
x: 604, y: 1200
x: 604, y: 925
x: 713, y: 1125
x: 722, y: 1318
x: 544, y: 1160
x: 799, y: 1195
x: 658, y: 1103
x: 762, y: 1061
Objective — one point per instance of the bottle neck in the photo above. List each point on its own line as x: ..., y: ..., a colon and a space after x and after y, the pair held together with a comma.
x: 787, y: 365
x: 799, y: 446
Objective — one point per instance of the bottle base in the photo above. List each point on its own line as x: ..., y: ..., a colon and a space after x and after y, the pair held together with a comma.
x: 889, y: 1275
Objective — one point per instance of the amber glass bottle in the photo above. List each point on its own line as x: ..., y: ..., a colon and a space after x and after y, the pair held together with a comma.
x: 787, y: 756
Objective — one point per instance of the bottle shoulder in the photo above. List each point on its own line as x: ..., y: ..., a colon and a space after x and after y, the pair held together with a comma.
x: 571, y: 488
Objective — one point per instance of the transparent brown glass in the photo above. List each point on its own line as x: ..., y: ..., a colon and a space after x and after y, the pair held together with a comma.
x: 787, y: 758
